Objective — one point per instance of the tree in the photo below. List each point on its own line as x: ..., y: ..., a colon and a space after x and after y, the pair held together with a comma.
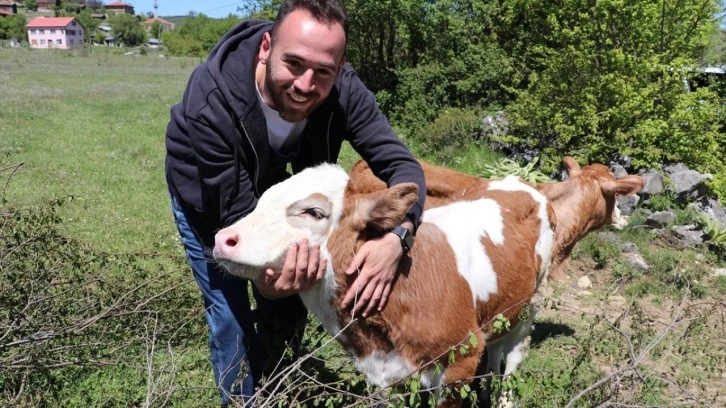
x: 127, y: 29
x: 13, y: 27
x: 31, y: 5
x: 604, y: 81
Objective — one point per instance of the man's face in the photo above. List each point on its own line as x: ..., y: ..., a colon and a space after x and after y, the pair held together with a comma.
x: 302, y: 63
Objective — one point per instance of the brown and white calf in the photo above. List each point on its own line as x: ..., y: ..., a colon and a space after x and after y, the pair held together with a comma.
x: 473, y: 259
x: 582, y: 203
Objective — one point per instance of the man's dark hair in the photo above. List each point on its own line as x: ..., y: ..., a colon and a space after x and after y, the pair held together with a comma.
x: 328, y: 11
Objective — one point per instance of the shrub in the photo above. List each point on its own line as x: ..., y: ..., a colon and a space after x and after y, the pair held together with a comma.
x: 447, y: 136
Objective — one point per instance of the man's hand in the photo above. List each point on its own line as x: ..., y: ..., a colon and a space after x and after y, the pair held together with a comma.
x: 376, y: 262
x: 303, y: 267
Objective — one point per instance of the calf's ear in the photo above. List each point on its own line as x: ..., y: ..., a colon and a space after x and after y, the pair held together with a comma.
x: 389, y: 208
x: 625, y: 185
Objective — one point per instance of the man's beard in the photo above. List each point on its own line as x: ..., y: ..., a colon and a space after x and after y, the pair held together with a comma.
x: 278, y: 94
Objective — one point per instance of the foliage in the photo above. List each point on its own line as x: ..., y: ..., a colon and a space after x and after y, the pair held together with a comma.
x: 69, y: 311
x: 716, y: 232
x: 508, y: 167
x: 605, y: 80
x: 31, y: 5
x: 446, y: 137
x: 127, y: 29
x: 196, y: 34
x: 13, y: 27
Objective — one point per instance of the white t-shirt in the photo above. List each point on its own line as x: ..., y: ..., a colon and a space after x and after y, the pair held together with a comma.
x: 283, y: 136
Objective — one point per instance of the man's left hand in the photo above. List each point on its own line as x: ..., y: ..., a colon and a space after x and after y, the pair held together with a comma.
x: 376, y: 263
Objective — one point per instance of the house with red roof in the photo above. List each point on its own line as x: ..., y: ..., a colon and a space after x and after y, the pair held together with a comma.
x: 119, y: 7
x: 55, y: 32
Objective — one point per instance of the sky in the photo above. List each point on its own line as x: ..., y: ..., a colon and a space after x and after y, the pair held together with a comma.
x: 212, y: 8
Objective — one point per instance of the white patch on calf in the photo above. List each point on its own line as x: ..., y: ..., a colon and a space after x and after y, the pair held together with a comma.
x: 280, y: 220
x: 383, y: 369
x: 546, y: 239
x: 464, y: 224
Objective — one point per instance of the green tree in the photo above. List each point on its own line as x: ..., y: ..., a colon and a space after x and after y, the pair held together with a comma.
x: 89, y: 23
x: 197, y: 34
x: 13, y: 27
x: 604, y: 80
x: 31, y: 5
x: 127, y: 28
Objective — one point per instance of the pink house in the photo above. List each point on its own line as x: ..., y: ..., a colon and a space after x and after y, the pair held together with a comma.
x: 55, y: 32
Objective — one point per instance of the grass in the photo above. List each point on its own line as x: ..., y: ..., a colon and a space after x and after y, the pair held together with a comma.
x: 87, y: 127
x: 90, y: 127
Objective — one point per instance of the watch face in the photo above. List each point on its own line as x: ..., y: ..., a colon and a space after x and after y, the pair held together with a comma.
x: 406, y: 237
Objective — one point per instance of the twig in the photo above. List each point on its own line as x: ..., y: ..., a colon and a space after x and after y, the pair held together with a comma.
x: 643, y: 354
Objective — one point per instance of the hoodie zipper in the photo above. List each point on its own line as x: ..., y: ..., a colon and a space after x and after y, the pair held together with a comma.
x: 257, y: 160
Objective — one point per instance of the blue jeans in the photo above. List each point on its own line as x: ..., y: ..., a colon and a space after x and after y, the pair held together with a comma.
x: 238, y: 352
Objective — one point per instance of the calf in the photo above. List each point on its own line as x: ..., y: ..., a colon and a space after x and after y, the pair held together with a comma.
x: 474, y: 259
x: 584, y: 202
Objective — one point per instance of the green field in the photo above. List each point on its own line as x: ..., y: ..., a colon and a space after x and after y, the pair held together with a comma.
x: 87, y: 127
x: 91, y: 126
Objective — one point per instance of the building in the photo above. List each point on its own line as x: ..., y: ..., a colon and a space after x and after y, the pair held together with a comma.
x: 47, y: 4
x: 119, y: 7
x: 55, y: 33
x: 8, y: 8
x: 164, y: 24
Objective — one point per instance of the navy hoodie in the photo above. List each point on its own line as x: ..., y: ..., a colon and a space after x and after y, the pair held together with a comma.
x: 219, y: 161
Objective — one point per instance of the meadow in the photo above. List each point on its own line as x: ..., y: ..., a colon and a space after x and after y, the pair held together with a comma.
x: 82, y: 132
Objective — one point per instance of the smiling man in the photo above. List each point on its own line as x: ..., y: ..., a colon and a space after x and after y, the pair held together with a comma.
x: 273, y: 96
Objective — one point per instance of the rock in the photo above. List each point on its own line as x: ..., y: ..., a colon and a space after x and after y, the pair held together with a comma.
x: 690, y: 234
x: 661, y: 219
x: 636, y: 261
x: 618, y: 300
x: 584, y: 283
x: 629, y: 247
x: 618, y: 170
x: 627, y: 204
x: 689, y: 185
x: 719, y: 272
x: 653, y: 183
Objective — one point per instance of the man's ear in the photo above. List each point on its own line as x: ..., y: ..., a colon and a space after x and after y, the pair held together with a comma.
x: 264, y: 53
x: 340, y: 66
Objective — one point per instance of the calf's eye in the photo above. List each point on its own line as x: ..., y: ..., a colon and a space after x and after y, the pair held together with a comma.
x: 316, y: 213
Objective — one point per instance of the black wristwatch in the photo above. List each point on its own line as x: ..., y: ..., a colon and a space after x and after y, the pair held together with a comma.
x: 406, y: 238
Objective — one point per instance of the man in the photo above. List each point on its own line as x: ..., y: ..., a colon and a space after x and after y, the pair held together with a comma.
x: 272, y: 95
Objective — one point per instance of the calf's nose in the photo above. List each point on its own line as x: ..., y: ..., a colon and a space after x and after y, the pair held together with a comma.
x: 226, y: 243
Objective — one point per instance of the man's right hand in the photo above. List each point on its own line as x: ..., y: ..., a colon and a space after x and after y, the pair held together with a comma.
x: 303, y: 267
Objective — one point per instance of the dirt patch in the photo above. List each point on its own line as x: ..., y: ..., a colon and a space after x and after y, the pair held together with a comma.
x: 677, y: 345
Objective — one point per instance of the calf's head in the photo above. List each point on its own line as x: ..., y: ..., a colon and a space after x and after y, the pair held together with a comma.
x: 311, y: 204
x: 584, y: 202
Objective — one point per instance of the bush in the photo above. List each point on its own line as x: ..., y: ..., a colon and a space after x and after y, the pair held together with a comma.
x: 71, y: 312
x: 447, y: 136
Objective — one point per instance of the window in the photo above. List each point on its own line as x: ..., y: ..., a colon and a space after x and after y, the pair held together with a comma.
x: 52, y: 30
x: 41, y: 31
x: 42, y: 42
x: 71, y: 32
x: 59, y: 41
x: 32, y: 32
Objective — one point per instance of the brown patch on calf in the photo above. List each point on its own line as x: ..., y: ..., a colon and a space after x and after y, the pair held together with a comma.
x: 431, y: 307
x: 583, y: 203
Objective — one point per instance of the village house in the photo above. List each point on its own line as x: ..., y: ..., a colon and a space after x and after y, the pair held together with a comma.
x: 164, y: 24
x: 47, y: 4
x: 8, y: 8
x: 55, y: 33
x: 119, y: 7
